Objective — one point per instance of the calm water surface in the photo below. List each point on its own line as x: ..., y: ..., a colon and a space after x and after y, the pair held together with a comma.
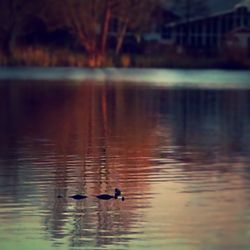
x: 181, y: 157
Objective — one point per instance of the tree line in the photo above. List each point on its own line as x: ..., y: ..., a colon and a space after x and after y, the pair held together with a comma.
x: 89, y: 22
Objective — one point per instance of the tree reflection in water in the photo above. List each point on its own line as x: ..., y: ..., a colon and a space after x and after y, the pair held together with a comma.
x: 93, y: 140
x: 90, y: 138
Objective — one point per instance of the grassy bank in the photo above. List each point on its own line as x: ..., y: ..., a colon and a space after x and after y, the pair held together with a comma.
x: 47, y: 57
x: 43, y: 57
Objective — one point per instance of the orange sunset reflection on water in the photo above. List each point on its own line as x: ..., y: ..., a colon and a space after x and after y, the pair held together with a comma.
x: 179, y: 155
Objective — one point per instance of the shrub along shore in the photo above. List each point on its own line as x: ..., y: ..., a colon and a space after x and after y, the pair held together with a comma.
x: 46, y: 57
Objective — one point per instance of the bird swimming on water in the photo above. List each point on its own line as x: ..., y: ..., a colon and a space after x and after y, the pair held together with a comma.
x: 117, y: 194
x: 75, y: 197
x: 78, y: 197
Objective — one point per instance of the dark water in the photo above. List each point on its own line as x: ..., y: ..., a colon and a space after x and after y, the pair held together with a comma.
x: 180, y: 156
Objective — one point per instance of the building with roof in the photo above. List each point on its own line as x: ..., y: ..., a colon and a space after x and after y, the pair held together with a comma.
x: 224, y: 31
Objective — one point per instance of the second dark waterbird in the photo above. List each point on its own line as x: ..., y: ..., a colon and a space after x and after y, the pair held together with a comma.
x: 117, y: 194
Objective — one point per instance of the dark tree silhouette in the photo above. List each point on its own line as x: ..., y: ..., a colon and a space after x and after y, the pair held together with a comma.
x: 89, y: 21
x: 15, y: 16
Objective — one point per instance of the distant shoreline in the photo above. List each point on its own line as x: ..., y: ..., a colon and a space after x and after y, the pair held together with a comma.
x: 43, y: 57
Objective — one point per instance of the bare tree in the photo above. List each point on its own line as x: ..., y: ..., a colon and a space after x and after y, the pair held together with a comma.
x: 89, y: 21
x: 135, y: 16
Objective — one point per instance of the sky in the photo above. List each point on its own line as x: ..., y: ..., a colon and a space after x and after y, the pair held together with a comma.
x: 221, y: 5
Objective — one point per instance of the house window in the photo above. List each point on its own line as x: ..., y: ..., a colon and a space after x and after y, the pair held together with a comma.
x: 192, y: 42
x: 178, y: 39
x: 184, y: 40
x: 208, y: 41
x: 230, y: 22
x: 167, y: 33
x: 214, y: 41
x: 186, y: 29
x: 223, y: 24
x: 215, y: 25
x: 238, y: 21
x: 199, y: 41
x: 245, y: 19
x: 178, y: 29
x: 193, y: 27
x: 241, y: 10
x: 208, y: 26
x: 199, y: 27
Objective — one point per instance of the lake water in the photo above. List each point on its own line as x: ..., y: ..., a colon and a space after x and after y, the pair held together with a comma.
x: 180, y: 155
